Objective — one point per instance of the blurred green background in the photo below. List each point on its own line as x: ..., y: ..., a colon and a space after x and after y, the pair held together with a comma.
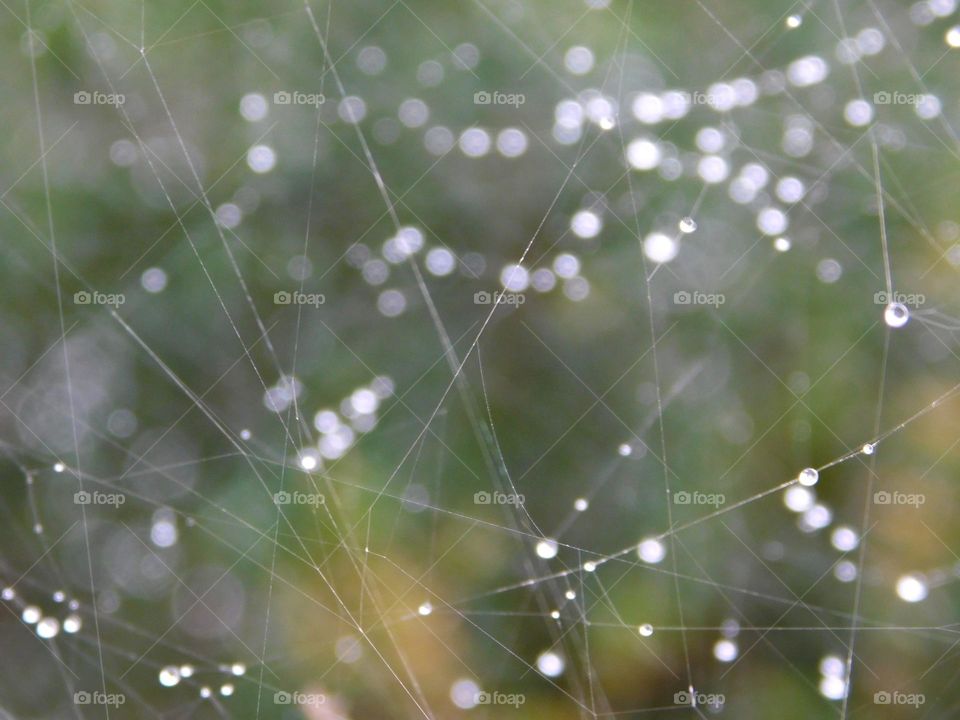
x: 200, y: 197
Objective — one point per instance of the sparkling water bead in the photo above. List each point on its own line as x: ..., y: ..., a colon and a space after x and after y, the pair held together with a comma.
x: 808, y: 477
x: 688, y: 225
x: 896, y: 315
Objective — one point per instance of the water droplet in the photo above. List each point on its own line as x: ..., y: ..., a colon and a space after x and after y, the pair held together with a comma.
x: 580, y: 504
x: 169, y: 676
x: 555, y: 614
x: 48, y: 628
x: 550, y: 664
x: 570, y: 595
x: 589, y: 566
x: 226, y: 690
x: 808, y: 477
x: 896, y: 315
x: 625, y: 450
x: 425, y: 609
x: 844, y: 539
x: 237, y: 669
x: 868, y: 449
x: 651, y: 551
x: 798, y: 499
x: 781, y: 244
x: 687, y: 225
x: 30, y: 614
x: 832, y: 666
x: 833, y: 688
x: 646, y: 630
x: 547, y: 548
x: 725, y: 651
x: 72, y: 624
x: 794, y: 21
x: 912, y: 588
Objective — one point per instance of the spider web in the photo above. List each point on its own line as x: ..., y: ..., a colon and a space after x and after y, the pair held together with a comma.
x: 403, y: 360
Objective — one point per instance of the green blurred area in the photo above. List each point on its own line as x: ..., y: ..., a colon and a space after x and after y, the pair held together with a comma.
x: 788, y: 372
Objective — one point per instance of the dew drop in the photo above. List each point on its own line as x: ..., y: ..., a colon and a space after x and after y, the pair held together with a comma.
x: 808, y: 477
x: 651, y: 551
x: 425, y: 609
x: 646, y: 630
x: 48, y: 628
x: 169, y: 676
x: 687, y: 225
x: 896, y: 315
x: 725, y: 651
x: 912, y: 588
x: 868, y: 449
x: 550, y: 664
x: 547, y: 548
x: 72, y: 624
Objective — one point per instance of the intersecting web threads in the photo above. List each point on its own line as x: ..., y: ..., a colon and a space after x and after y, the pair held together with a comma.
x: 512, y: 360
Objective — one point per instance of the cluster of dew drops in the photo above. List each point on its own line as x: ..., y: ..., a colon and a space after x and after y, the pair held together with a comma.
x: 357, y: 412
